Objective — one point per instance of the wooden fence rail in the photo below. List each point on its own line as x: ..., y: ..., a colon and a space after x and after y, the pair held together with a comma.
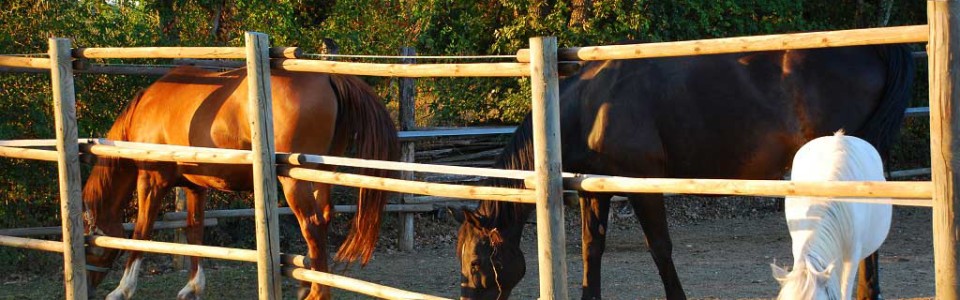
x: 180, y: 52
x: 855, y: 37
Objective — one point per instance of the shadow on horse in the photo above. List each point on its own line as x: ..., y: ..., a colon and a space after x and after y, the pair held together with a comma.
x: 312, y: 113
x: 737, y: 116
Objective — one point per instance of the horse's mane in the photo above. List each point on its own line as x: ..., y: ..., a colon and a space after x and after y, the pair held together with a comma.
x: 836, y: 158
x: 517, y: 155
x: 101, y: 176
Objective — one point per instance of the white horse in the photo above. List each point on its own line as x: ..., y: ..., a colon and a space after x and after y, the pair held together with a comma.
x: 829, y: 234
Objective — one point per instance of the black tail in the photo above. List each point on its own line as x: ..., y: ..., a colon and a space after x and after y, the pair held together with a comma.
x: 883, y: 127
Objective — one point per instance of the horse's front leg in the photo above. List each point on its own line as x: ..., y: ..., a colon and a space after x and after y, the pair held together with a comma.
x: 594, y: 214
x: 310, y: 204
x: 151, y: 187
x: 196, y: 198
x: 650, y: 210
x: 868, y: 286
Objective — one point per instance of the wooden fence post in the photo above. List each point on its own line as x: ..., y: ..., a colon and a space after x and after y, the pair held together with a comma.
x: 408, y: 121
x: 264, y: 167
x: 68, y: 167
x: 944, y: 71
x: 180, y: 262
x: 551, y: 241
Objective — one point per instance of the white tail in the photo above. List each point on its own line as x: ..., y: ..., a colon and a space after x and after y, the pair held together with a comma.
x: 830, y: 238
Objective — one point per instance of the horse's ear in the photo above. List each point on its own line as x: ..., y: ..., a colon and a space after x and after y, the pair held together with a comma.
x: 471, y: 218
x: 495, y: 238
x: 780, y: 274
x: 457, y: 215
x: 825, y: 274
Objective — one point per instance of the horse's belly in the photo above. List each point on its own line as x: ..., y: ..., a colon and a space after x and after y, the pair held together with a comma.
x: 221, y: 177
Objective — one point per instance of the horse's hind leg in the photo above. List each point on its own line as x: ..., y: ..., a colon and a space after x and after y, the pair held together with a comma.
x: 868, y: 286
x: 310, y: 204
x: 650, y: 210
x: 594, y: 212
x: 196, y: 198
x: 152, y: 185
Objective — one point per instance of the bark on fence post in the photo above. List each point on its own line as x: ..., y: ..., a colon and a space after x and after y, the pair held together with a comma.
x: 408, y: 121
x: 264, y: 167
x: 551, y: 241
x: 180, y: 262
x: 943, y: 51
x: 68, y: 166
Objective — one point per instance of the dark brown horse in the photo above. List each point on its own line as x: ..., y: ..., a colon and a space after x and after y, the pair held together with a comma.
x: 312, y: 113
x: 719, y: 116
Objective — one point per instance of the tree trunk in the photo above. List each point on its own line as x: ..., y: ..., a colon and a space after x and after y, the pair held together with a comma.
x: 538, y: 11
x: 168, y: 21
x: 580, y: 13
x: 883, y: 12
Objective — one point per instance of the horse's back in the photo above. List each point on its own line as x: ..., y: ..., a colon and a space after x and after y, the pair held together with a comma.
x: 718, y: 116
x: 839, y: 158
x: 190, y: 106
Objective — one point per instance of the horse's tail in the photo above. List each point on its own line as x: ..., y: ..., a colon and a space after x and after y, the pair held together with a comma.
x: 884, y: 124
x: 363, y: 119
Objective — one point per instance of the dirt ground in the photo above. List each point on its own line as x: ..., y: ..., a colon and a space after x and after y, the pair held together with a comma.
x: 726, y: 258
x: 718, y: 256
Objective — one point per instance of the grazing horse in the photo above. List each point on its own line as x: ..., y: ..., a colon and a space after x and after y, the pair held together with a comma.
x: 825, y: 233
x: 312, y: 113
x: 829, y: 234
x: 714, y: 116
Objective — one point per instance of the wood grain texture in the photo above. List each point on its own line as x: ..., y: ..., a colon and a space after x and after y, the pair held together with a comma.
x: 884, y: 35
x: 944, y: 71
x: 404, y: 70
x: 68, y: 167
x: 264, y: 167
x: 551, y: 239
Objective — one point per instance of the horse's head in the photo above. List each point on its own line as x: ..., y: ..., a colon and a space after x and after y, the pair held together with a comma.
x: 99, y: 260
x: 491, y: 263
x: 805, y: 282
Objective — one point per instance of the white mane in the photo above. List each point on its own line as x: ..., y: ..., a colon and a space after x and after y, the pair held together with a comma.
x: 830, y: 235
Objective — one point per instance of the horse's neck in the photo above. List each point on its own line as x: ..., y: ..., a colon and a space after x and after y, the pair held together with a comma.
x: 507, y: 216
x: 831, y: 234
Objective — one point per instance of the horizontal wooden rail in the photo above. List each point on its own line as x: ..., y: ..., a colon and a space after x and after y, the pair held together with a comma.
x: 864, y: 189
x: 173, y: 248
x: 354, y: 285
x: 909, y: 173
x: 917, y: 111
x: 57, y: 230
x: 410, y: 187
x: 899, y: 202
x: 855, y: 37
x: 405, y: 166
x: 38, y: 63
x: 248, y: 212
x: 405, y: 70
x: 180, y: 52
x: 25, y: 153
x: 28, y: 243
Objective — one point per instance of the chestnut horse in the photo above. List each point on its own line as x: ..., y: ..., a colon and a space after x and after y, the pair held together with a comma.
x: 737, y: 116
x: 312, y: 113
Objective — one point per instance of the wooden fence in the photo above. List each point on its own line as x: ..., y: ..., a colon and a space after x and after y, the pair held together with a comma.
x: 546, y: 179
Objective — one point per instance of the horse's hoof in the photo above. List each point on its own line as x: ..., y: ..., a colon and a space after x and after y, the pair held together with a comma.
x: 115, y: 296
x: 303, y: 292
x: 190, y: 295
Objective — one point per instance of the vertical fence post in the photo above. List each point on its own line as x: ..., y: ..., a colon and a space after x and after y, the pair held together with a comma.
x: 408, y: 121
x: 551, y: 241
x: 943, y: 51
x: 264, y: 167
x: 68, y: 167
x: 180, y: 262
